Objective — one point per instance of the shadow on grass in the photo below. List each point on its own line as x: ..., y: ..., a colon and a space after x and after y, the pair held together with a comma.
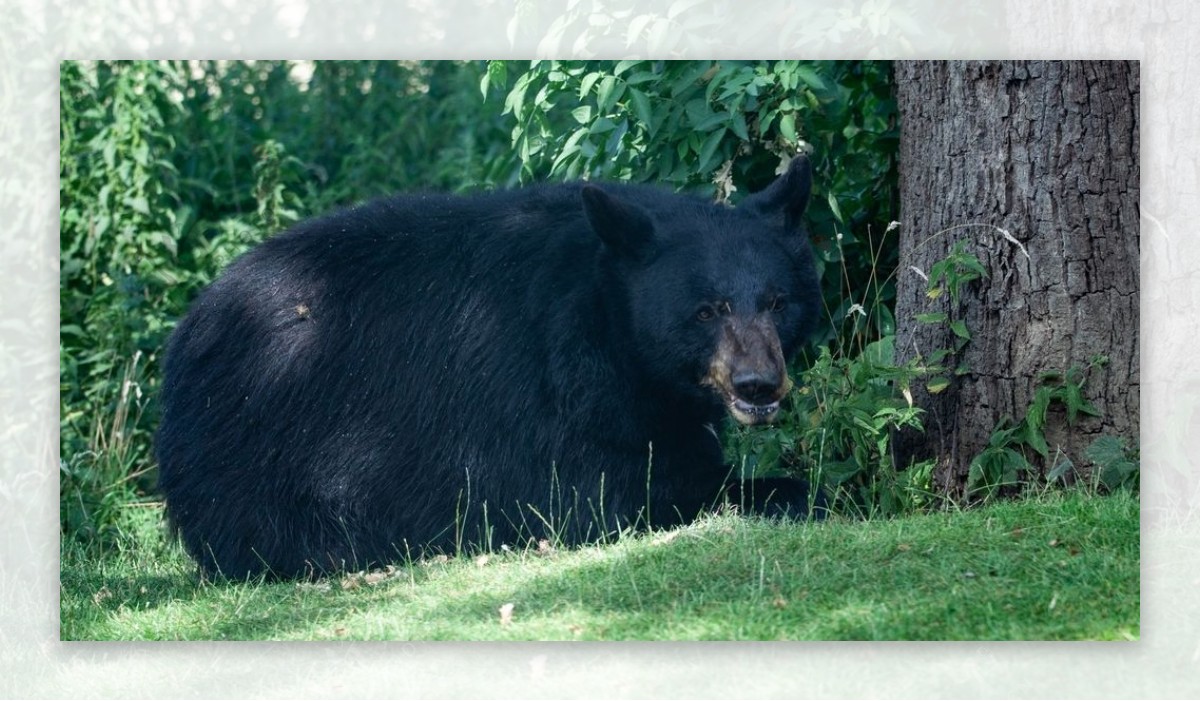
x: 1023, y: 572
x: 1058, y: 571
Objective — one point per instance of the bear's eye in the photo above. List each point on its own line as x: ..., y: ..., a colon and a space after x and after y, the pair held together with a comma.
x: 706, y: 313
x: 778, y: 304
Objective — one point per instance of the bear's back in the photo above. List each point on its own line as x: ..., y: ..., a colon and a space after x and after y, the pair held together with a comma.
x: 411, y: 345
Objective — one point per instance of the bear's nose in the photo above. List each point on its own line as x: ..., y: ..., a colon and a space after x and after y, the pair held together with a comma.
x: 756, y: 387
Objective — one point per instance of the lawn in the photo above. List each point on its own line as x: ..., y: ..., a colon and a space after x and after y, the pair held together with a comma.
x: 1052, y: 567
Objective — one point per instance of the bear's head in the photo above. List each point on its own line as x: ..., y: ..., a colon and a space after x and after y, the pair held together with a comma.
x: 715, y: 299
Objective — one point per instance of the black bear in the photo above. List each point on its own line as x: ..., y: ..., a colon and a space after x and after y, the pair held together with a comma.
x: 432, y: 371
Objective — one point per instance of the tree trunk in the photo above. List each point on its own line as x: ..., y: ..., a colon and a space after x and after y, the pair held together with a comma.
x: 1034, y: 167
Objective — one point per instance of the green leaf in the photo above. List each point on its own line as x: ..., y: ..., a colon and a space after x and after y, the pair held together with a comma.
x: 810, y: 77
x: 690, y: 78
x: 1035, y: 439
x: 497, y: 74
x: 833, y: 207
x: 933, y: 318
x: 787, y: 127
x: 885, y: 321
x: 515, y: 102
x: 613, y: 145
x: 589, y: 80
x: 640, y: 105
x: 938, y: 355
x: 975, y: 473
x: 138, y: 204
x: 959, y: 327
x: 697, y: 110
x: 1105, y: 449
x: 642, y: 77
x: 602, y: 126
x: 1001, y: 437
x: 582, y: 114
x: 1060, y: 469
x: 1036, y: 416
x: 606, y: 93
x: 881, y: 353
x: 1076, y: 404
x: 623, y: 66
x: 712, y: 121
x: 569, y: 148
x: 738, y: 125
x: 1119, y: 474
x: 937, y: 385
x: 708, y: 150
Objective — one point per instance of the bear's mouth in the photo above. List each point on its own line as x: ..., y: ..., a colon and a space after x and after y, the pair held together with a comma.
x: 750, y: 414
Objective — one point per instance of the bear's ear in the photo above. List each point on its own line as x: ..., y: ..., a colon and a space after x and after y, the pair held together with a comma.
x: 625, y: 228
x: 788, y: 195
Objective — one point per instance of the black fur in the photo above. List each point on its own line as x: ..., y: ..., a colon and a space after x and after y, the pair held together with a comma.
x: 428, y: 371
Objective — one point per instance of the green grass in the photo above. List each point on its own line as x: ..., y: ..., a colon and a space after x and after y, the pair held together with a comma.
x: 1053, y: 567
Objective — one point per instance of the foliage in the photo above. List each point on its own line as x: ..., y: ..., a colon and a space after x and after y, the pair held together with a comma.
x: 838, y: 430
x: 1006, y: 461
x: 953, y: 272
x: 1118, y: 465
x: 725, y: 129
x: 119, y: 243
x: 949, y: 275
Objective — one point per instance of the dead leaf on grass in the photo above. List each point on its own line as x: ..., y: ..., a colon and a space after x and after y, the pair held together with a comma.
x: 665, y: 538
x: 101, y: 596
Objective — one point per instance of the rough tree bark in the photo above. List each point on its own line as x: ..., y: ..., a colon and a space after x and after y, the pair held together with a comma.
x: 1048, y: 152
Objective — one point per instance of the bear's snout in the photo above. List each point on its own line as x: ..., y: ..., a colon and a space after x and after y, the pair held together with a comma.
x: 748, y: 369
x: 757, y: 387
